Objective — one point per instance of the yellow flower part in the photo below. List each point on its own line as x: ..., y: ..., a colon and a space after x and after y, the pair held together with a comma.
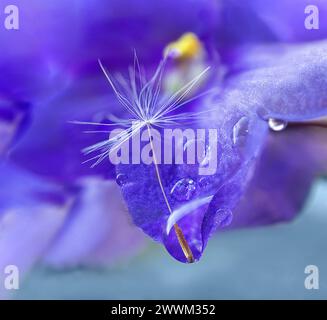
x: 186, y: 47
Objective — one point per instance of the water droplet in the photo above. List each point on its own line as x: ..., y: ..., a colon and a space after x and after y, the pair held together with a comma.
x: 224, y: 217
x: 121, y: 179
x: 183, y: 189
x: 205, y: 182
x: 277, y: 125
x: 240, y: 130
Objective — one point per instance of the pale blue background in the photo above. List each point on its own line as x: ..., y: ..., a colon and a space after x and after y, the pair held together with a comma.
x: 263, y: 263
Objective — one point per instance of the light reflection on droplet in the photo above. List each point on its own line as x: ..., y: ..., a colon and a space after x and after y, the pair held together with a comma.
x: 240, y: 130
x: 121, y: 179
x: 183, y: 189
x: 205, y: 182
x: 277, y: 125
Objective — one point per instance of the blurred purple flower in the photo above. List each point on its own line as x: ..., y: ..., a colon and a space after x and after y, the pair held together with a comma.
x: 52, y: 206
x: 68, y: 226
x: 63, y: 211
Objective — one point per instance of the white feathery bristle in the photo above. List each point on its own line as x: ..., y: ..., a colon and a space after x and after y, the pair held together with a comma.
x: 146, y: 105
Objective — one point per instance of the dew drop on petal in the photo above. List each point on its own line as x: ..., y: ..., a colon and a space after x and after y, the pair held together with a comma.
x: 121, y: 179
x: 240, y: 130
x: 224, y: 217
x: 205, y: 182
x: 277, y: 125
x: 183, y: 189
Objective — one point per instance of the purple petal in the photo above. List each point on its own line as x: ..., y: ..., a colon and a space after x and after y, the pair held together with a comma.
x: 283, y: 177
x: 75, y: 35
x: 97, y: 230
x: 52, y: 145
x: 257, y: 21
x: 27, y: 221
x: 240, y: 108
x: 13, y: 120
x: 283, y: 82
x: 238, y: 148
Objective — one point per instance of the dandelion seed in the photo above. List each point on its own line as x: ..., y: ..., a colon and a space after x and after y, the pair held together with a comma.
x: 147, y: 107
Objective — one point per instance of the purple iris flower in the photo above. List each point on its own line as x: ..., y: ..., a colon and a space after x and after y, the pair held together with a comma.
x: 265, y: 76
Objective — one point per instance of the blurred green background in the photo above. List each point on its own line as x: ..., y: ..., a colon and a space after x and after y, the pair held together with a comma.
x: 261, y: 263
